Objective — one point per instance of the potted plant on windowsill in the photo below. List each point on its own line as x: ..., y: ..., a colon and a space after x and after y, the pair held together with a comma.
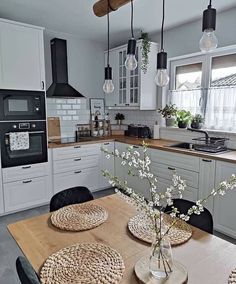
x: 183, y: 118
x: 119, y: 118
x: 169, y: 113
x: 197, y: 121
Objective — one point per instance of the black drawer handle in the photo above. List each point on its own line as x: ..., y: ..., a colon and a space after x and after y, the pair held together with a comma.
x: 27, y: 181
x: 106, y: 143
x: 78, y: 172
x: 136, y: 147
x: 78, y: 159
x: 77, y: 147
x: 26, y: 167
x: 171, y: 169
x: 205, y: 160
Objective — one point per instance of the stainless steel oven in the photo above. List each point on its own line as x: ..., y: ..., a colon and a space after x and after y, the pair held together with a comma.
x: 22, y: 105
x: 37, y: 143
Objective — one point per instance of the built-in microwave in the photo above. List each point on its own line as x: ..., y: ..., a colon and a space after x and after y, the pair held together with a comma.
x: 22, y: 105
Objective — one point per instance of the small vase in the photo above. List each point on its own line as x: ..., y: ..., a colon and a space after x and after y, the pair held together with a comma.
x: 119, y: 121
x: 161, y: 259
x: 182, y: 124
x: 196, y: 125
x: 170, y: 121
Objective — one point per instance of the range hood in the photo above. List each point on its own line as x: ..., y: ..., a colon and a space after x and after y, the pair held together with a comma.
x: 60, y: 86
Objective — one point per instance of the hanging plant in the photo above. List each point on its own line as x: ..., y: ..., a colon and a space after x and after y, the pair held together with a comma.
x: 145, y: 48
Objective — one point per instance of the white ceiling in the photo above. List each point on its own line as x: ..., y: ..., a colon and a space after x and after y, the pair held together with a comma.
x: 76, y: 16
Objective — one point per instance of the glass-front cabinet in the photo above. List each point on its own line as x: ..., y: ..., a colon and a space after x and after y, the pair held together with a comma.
x: 133, y: 89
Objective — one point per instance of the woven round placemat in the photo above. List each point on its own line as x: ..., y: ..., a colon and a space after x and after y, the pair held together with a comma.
x: 83, y: 264
x: 232, y: 277
x: 79, y: 217
x: 140, y: 227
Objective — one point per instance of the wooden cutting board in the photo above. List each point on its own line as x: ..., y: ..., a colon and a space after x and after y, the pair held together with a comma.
x: 54, y: 128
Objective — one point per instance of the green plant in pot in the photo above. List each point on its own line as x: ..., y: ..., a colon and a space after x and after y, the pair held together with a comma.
x: 145, y: 48
x: 169, y: 113
x: 119, y: 118
x: 183, y: 118
x: 197, y: 121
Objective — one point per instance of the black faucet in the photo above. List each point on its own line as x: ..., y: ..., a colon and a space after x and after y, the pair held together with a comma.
x: 200, y: 131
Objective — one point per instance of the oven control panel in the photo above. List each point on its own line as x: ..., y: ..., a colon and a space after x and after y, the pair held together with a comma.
x: 24, y: 126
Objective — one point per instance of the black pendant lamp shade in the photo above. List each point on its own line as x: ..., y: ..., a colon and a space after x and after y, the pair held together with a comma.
x: 131, y: 46
x: 108, y: 73
x: 209, y: 19
x: 162, y: 60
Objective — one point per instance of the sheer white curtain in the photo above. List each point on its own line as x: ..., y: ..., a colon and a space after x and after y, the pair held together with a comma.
x: 187, y: 100
x: 221, y: 109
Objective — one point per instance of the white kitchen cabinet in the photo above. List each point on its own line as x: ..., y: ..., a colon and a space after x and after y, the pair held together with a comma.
x: 85, y: 177
x: 133, y: 89
x: 106, y: 164
x: 224, y: 206
x: 27, y: 193
x: 21, y: 56
x: 207, y: 181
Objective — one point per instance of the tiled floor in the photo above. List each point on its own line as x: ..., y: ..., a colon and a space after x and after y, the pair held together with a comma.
x: 8, y: 248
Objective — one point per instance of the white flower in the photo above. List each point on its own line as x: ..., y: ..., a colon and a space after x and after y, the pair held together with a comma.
x: 123, y: 163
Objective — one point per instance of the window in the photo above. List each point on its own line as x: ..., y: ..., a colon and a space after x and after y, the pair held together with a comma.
x: 206, y: 84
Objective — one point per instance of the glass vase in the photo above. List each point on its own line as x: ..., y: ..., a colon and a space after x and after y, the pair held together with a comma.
x: 161, y: 259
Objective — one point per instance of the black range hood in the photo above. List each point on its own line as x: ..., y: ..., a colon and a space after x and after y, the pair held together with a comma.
x: 60, y: 86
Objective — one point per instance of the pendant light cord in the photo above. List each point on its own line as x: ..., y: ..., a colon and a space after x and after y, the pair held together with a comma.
x: 108, y: 32
x: 132, y: 18
x: 162, y: 26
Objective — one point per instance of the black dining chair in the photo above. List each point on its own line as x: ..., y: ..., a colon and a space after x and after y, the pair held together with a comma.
x: 70, y: 196
x: 204, y: 221
x: 25, y: 271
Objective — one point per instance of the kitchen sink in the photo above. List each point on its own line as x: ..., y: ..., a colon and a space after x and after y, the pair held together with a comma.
x: 182, y: 145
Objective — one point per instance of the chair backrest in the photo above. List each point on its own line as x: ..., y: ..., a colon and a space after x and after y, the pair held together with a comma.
x: 204, y: 221
x: 70, y: 196
x: 25, y: 271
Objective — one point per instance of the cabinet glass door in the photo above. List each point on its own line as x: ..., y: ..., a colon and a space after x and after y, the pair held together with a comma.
x: 122, y: 78
x: 134, y: 84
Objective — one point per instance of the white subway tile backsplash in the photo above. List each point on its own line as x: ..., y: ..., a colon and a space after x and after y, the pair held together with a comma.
x: 66, y: 106
x: 58, y: 106
x: 60, y: 101
x: 76, y: 106
x: 71, y: 112
x: 67, y: 117
x: 75, y: 117
x: 61, y: 112
x: 71, y: 101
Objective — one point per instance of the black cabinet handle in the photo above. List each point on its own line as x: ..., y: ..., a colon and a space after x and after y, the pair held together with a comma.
x: 171, y: 169
x: 136, y: 147
x: 26, y: 167
x: 43, y: 85
x: 27, y: 181
x: 205, y: 160
x: 78, y: 172
x: 77, y: 159
x: 106, y: 143
x: 77, y: 147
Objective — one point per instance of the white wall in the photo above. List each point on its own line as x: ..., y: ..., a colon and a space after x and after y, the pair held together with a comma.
x: 185, y: 38
x: 85, y: 63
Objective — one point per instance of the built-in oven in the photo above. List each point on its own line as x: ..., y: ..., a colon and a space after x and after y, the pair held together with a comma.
x: 22, y: 105
x: 36, y: 143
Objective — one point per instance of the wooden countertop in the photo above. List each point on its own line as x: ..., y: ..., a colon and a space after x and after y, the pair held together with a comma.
x: 208, y: 259
x: 160, y: 144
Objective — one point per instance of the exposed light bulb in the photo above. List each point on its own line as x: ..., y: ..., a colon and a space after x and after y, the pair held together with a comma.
x: 162, y: 77
x: 209, y: 41
x: 108, y: 86
x: 131, y: 62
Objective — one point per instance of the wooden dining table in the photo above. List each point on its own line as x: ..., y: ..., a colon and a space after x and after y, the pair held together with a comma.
x: 207, y: 258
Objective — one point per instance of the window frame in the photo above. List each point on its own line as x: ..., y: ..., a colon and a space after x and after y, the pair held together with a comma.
x: 198, y: 57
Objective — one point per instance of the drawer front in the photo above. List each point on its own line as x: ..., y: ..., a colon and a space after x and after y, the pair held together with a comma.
x: 181, y: 161
x: 26, y: 193
x: 74, y: 151
x: 88, y: 178
x: 166, y: 172
x: 190, y: 193
x: 25, y: 172
x: 77, y: 163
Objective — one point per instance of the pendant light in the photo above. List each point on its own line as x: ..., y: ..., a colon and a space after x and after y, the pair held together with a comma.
x: 162, y: 77
x: 209, y: 41
x: 131, y: 62
x: 108, y: 86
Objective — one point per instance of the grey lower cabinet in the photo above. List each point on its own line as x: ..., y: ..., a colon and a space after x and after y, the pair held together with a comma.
x: 201, y: 176
x: 224, y: 206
